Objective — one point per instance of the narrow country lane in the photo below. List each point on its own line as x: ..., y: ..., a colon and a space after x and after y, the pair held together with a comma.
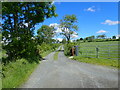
x: 65, y: 73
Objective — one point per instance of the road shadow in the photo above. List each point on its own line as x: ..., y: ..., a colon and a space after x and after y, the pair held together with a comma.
x: 42, y: 59
x: 61, y: 50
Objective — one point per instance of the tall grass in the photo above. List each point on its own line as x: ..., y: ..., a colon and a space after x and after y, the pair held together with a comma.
x: 16, y: 73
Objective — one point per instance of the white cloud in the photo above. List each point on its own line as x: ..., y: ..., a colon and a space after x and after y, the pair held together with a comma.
x: 117, y: 36
x: 91, y: 9
x: 74, y: 33
x: 56, y: 26
x: 74, y: 36
x: 101, y: 31
x: 59, y: 30
x: 60, y: 39
x: 53, y: 2
x: 109, y: 22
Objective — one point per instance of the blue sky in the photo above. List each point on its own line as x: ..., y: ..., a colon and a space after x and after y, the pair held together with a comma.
x: 94, y: 18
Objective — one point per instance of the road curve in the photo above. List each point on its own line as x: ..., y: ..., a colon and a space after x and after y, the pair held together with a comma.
x: 65, y: 73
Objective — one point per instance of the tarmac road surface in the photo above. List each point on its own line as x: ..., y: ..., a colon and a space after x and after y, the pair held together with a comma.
x: 66, y: 73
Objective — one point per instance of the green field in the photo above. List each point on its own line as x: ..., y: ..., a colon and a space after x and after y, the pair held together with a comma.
x: 107, y: 55
x: 106, y: 50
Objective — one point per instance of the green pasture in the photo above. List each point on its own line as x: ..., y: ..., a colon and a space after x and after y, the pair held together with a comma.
x: 106, y: 50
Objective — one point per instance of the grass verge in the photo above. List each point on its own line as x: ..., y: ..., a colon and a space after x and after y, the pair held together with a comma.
x: 56, y: 54
x: 16, y: 73
x: 0, y: 76
x: 97, y: 61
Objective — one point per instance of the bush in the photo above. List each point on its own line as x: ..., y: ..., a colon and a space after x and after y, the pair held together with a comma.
x: 67, y: 48
x: 47, y: 47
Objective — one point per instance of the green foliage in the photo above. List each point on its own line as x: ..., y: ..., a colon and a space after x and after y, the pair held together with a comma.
x: 81, y: 38
x: 67, y: 48
x: 45, y: 34
x: 101, y: 36
x: 56, y: 54
x: 89, y: 39
x: 63, y: 41
x: 47, y: 47
x: 113, y: 37
x: 15, y: 73
x: 18, y: 27
x: 104, y: 62
x: 67, y: 25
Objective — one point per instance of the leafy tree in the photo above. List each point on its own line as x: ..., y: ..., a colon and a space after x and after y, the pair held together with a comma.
x: 67, y: 25
x: 45, y: 34
x: 19, y: 20
x: 113, y: 37
x: 101, y: 36
x: 81, y: 38
x: 64, y: 41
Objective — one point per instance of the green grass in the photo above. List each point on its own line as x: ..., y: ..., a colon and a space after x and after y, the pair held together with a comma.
x: 56, y: 54
x: 97, y: 61
x: 106, y: 49
x: 0, y: 76
x: 16, y: 73
x: 45, y: 53
x: 107, y: 54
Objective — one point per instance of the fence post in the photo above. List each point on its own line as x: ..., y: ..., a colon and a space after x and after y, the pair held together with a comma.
x: 108, y: 51
x: 97, y: 49
x: 76, y: 50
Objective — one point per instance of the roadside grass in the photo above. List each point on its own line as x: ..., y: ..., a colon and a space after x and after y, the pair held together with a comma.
x: 47, y: 52
x: 16, y: 73
x: 97, y: 61
x: 0, y: 76
x: 56, y: 54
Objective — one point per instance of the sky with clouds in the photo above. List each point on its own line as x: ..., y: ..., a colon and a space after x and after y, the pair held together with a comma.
x: 94, y: 18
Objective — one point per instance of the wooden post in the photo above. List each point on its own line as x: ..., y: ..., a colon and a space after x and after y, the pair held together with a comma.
x: 108, y: 51
x: 73, y: 51
x: 97, y: 52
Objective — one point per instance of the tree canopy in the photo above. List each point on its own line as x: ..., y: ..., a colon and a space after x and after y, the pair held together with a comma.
x: 19, y: 20
x: 67, y: 25
x: 101, y: 36
x: 45, y: 34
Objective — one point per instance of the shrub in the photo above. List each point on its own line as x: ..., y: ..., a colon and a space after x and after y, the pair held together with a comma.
x: 47, y: 47
x: 67, y: 48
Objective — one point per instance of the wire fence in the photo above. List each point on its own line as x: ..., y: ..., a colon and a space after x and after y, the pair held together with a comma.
x: 100, y: 51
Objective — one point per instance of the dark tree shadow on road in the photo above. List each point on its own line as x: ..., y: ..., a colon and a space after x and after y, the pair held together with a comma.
x: 61, y: 50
